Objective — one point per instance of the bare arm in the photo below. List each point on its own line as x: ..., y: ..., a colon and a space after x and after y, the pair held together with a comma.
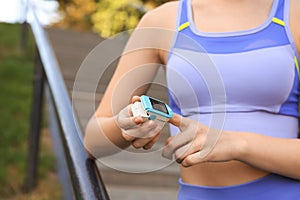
x: 136, y: 69
x: 295, y: 22
x: 276, y: 155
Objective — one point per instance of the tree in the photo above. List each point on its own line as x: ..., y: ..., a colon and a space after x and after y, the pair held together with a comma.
x: 76, y: 14
x: 112, y: 17
x: 106, y: 17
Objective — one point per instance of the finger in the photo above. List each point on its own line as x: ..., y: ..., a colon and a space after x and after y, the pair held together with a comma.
x: 140, y: 142
x: 165, y: 153
x: 176, y: 120
x: 127, y: 137
x: 150, y: 144
x: 128, y: 122
x: 143, y: 142
x: 145, y: 130
x: 192, y: 159
x: 175, y: 143
x: 169, y: 140
x: 168, y: 149
x: 124, y: 119
x: 186, y: 150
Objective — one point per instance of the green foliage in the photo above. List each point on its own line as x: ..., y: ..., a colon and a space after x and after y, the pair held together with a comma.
x: 106, y: 17
x: 15, y: 85
x: 155, y: 3
x: 16, y: 78
x: 112, y: 17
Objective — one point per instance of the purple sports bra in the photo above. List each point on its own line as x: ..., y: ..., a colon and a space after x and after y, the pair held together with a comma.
x: 240, y: 81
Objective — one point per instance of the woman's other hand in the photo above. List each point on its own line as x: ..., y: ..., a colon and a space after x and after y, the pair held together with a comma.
x: 197, y: 143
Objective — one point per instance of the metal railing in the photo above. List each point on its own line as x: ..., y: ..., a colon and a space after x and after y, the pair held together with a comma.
x: 84, y: 178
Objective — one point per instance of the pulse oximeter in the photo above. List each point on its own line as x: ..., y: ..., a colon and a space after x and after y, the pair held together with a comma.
x: 152, y: 109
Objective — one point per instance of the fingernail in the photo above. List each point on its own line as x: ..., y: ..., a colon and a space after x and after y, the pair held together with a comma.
x: 184, y: 164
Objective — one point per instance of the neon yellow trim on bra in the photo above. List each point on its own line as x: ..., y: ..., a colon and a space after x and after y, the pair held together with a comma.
x: 278, y: 21
x: 183, y: 26
x: 297, y: 66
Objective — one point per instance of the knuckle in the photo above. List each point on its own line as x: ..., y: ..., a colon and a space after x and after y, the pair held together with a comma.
x: 189, y: 161
x: 178, y: 155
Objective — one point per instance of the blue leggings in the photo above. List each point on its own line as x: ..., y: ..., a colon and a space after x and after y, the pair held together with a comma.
x: 270, y: 187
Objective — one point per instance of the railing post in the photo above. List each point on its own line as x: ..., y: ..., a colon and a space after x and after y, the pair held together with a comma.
x: 71, y: 135
x: 35, y: 125
x: 95, y: 177
x: 58, y: 148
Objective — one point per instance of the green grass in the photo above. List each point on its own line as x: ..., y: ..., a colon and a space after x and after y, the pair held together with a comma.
x: 16, y: 83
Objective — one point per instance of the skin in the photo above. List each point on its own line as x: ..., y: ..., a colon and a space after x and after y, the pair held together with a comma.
x: 241, y: 155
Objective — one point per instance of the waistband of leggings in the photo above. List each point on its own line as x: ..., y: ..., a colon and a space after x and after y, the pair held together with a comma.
x: 255, y: 188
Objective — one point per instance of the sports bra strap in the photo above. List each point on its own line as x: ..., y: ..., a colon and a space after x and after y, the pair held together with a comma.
x: 183, y: 21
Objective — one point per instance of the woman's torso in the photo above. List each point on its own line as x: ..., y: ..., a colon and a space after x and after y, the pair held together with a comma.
x: 225, y: 21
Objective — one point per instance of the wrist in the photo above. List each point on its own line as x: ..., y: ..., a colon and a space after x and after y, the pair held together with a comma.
x: 239, y: 145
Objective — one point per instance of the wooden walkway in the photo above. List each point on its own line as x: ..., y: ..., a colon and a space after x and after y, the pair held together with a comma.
x: 71, y: 48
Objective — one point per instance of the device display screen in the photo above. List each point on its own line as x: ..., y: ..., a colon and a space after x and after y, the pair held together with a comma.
x: 160, y: 106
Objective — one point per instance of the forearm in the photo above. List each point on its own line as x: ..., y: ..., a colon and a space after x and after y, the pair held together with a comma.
x: 276, y: 155
x: 103, y: 137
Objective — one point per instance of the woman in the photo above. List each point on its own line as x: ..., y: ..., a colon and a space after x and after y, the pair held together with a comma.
x: 254, y: 46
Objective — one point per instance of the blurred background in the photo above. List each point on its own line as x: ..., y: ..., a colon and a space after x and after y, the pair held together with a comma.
x: 89, y: 21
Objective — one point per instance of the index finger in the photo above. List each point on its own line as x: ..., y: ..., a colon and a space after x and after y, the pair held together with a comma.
x: 176, y: 120
x: 176, y: 142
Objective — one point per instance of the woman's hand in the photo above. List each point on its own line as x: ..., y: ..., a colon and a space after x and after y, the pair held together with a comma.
x: 198, y: 143
x: 140, y: 134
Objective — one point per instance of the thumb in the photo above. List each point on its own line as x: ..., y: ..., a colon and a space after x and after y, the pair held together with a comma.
x: 176, y: 120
